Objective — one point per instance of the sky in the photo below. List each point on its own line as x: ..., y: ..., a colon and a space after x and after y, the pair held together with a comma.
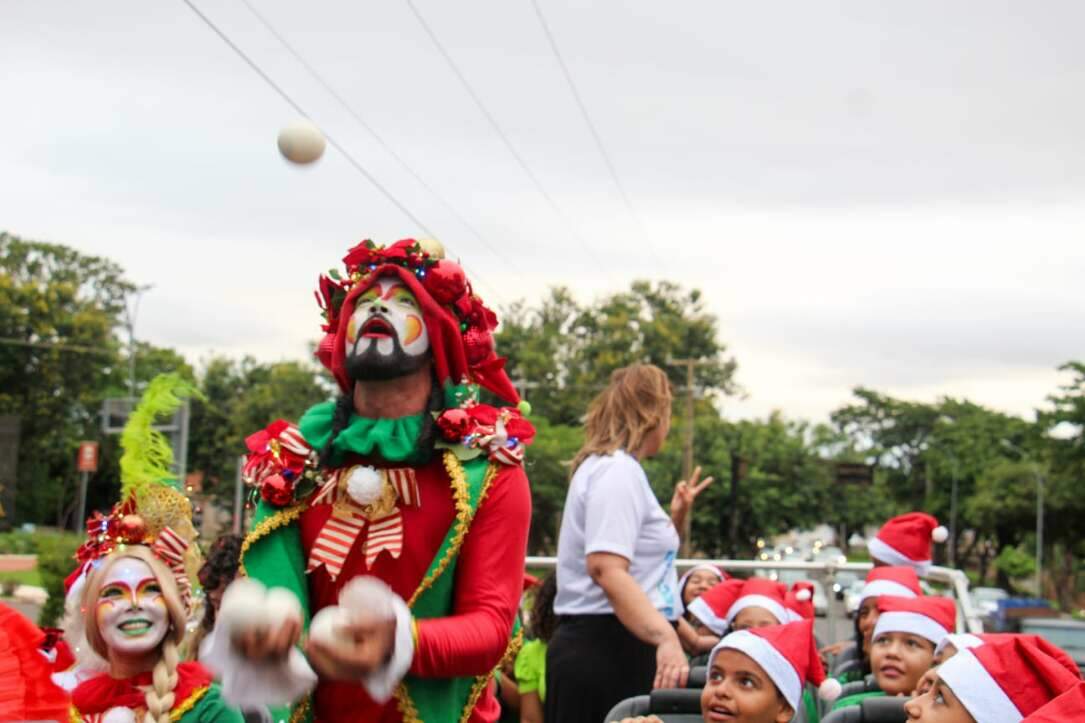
x: 883, y: 194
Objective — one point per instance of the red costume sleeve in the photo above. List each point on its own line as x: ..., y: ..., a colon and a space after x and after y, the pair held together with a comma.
x: 489, y: 582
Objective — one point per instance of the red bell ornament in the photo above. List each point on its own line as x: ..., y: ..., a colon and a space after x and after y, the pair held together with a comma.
x: 277, y: 491
x: 479, y: 345
x: 455, y: 424
x: 445, y: 281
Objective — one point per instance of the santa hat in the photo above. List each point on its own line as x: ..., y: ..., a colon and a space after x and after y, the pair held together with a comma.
x: 800, y: 601
x: 1004, y: 681
x: 928, y: 617
x: 966, y: 641
x: 788, y: 654
x: 724, y: 601
x: 896, y: 581
x: 1067, y: 706
x: 460, y: 327
x: 700, y: 567
x: 906, y: 540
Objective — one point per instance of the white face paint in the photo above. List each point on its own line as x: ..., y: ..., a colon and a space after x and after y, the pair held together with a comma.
x: 385, y: 313
x: 131, y: 610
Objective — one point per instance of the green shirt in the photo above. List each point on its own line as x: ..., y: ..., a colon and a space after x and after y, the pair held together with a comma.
x: 531, y: 668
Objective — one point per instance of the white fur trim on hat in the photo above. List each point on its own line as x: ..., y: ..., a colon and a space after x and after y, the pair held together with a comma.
x: 898, y: 621
x: 881, y: 551
x: 977, y: 691
x: 702, y: 566
x: 877, y: 588
x: 771, y: 660
x: 961, y: 641
x: 760, y: 601
x: 703, y: 612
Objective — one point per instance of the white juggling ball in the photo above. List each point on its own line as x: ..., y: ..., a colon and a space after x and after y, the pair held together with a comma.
x: 301, y: 142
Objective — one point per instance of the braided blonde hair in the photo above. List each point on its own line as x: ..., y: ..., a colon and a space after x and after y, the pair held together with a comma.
x: 160, y: 697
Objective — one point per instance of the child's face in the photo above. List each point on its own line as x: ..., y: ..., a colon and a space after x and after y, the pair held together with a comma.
x: 739, y: 691
x: 697, y: 584
x: 938, y: 705
x: 945, y: 653
x: 868, y: 618
x: 753, y: 617
x: 899, y: 660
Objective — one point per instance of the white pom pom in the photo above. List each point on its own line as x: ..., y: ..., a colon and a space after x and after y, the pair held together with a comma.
x: 939, y: 534
x: 282, y: 605
x: 301, y: 142
x: 327, y: 623
x: 364, y: 485
x: 243, y: 605
x: 830, y: 690
x: 119, y: 715
x: 803, y: 595
x: 367, y: 597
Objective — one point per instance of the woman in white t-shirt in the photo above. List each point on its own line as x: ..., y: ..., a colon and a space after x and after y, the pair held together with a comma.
x: 617, y: 587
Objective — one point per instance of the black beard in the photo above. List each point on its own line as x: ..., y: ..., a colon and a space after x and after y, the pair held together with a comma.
x: 372, y: 366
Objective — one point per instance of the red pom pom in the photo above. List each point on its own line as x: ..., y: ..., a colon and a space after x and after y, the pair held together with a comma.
x: 132, y: 528
x: 277, y: 491
x: 325, y: 350
x: 445, y: 281
x: 478, y: 344
x: 455, y: 424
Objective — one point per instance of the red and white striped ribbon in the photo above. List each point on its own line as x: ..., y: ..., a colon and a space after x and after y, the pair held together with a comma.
x: 170, y: 549
x: 340, y: 532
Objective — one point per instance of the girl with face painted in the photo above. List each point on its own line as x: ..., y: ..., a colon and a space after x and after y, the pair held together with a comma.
x: 135, y: 620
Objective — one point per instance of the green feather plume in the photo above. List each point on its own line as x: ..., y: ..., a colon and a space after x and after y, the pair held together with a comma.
x: 147, y: 454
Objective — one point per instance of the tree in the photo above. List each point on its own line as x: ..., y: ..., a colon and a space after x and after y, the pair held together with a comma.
x: 59, y: 311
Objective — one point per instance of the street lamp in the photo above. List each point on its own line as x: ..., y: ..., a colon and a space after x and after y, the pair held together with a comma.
x: 1039, y: 512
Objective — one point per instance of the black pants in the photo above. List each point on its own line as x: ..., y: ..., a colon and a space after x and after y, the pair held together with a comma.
x: 592, y: 663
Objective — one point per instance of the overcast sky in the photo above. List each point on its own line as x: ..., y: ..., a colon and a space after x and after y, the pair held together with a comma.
x: 889, y: 194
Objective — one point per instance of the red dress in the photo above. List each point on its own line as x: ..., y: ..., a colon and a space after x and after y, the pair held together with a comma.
x: 488, y: 584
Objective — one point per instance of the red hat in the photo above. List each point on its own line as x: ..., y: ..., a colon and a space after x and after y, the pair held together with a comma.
x: 929, y: 617
x: 459, y: 325
x: 800, y: 601
x: 1006, y: 680
x: 788, y: 654
x: 1067, y: 706
x: 898, y: 581
x: 906, y: 540
x: 720, y: 604
x: 965, y: 641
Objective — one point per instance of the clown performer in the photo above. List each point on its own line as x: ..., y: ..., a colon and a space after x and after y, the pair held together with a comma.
x: 134, y: 591
x: 398, y: 514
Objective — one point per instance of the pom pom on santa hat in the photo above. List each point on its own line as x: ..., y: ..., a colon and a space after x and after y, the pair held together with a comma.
x: 906, y: 540
x: 788, y: 655
x: 1007, y: 680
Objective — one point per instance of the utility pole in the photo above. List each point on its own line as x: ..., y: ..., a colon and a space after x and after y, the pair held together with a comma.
x: 687, y: 440
x: 130, y: 313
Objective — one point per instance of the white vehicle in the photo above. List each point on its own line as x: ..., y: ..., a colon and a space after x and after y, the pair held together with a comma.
x: 852, y: 595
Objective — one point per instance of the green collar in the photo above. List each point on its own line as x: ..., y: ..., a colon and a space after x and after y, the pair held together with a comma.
x: 392, y: 439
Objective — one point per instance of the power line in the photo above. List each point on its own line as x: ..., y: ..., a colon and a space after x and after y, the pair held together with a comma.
x: 501, y: 134
x: 331, y: 141
x: 594, y: 131
x: 377, y: 137
x: 301, y: 111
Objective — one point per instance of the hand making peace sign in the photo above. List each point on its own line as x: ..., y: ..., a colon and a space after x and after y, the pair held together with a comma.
x: 685, y: 492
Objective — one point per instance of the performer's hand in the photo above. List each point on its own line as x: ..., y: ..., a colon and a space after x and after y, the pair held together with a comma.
x: 273, y: 643
x: 365, y: 647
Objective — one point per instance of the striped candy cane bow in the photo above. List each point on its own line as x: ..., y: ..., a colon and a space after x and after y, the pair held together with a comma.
x: 363, y: 498
x: 170, y: 548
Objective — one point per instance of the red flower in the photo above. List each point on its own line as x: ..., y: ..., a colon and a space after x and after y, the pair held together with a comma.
x: 521, y: 429
x: 363, y: 254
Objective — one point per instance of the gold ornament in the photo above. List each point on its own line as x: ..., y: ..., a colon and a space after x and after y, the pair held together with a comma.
x: 433, y: 247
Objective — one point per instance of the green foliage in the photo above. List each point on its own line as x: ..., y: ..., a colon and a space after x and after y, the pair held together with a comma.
x: 1014, y: 562
x: 17, y: 543
x: 56, y: 560
x: 547, y: 466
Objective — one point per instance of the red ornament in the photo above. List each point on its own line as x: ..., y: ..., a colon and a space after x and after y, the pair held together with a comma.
x: 455, y: 424
x: 132, y: 528
x: 445, y: 281
x: 276, y: 491
x: 478, y: 344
